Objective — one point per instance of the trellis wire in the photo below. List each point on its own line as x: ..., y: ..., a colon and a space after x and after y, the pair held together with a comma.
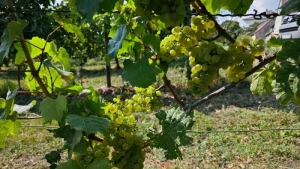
x: 256, y: 15
x: 197, y: 131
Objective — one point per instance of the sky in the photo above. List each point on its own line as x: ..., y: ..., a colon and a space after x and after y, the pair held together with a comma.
x: 259, y: 5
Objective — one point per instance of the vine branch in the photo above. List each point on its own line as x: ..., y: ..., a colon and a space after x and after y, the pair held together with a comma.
x: 167, y: 83
x: 27, y: 54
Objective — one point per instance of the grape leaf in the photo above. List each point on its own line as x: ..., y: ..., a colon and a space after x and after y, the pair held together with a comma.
x: 152, y: 41
x: 51, y: 49
x: 69, y: 26
x: 82, y: 146
x: 8, y: 127
x: 90, y: 124
x: 275, y: 42
x: 53, y: 109
x: 9, y: 35
x: 63, y: 57
x: 9, y: 103
x: 12, y: 90
x: 282, y: 87
x: 289, y: 51
x: 116, y: 42
x: 76, y: 139
x: 53, y: 157
x: 140, y: 73
x: 33, y: 50
x: 49, y: 75
x: 290, y: 6
x: 88, y: 8
x: 262, y: 81
x: 64, y: 132
x: 2, y: 103
x: 99, y: 163
x: 234, y: 6
x: 174, y: 125
x: 287, y: 72
x: 107, y: 5
x: 69, y: 164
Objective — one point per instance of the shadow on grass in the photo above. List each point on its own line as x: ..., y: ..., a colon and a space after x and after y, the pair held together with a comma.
x: 238, y: 96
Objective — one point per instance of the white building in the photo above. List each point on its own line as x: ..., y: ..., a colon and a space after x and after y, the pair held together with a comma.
x: 284, y: 27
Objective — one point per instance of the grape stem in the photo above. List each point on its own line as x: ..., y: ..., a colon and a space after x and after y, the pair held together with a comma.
x: 95, y: 138
x: 34, y: 72
x: 230, y: 85
x: 220, y: 30
x: 167, y: 83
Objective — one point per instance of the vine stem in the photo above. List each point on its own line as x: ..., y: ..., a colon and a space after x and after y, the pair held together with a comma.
x: 167, y: 83
x: 27, y: 54
x: 220, y: 30
x: 230, y: 85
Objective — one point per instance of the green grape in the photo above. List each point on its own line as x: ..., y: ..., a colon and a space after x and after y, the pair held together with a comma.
x: 173, y: 53
x: 261, y: 42
x: 204, y: 67
x: 196, y: 80
x: 191, y: 59
x: 220, y: 50
x: 245, y: 42
x: 176, y: 30
x: 215, y: 58
x: 165, y: 9
x: 207, y: 57
x: 125, y: 146
x: 211, y: 24
x: 206, y: 50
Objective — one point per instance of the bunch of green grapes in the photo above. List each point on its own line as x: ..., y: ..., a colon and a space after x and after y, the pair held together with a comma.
x: 98, y: 150
x: 145, y: 99
x: 206, y: 58
x: 203, y: 27
x: 171, y: 12
x: 258, y: 47
x: 242, y: 61
x: 186, y: 37
x: 169, y: 49
x: 128, y: 148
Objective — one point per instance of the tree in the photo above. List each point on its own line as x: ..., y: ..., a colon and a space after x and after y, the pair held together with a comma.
x: 252, y: 28
x: 232, y: 28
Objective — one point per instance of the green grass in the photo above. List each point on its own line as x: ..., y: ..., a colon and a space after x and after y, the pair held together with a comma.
x: 236, y: 109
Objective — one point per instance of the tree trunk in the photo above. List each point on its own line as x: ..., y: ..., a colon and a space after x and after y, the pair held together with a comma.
x: 108, y: 72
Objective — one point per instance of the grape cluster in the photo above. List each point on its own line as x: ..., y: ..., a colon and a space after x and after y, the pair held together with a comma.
x: 258, y: 47
x: 205, y: 59
x: 98, y: 150
x: 171, y: 12
x: 128, y: 149
x: 183, y: 38
x: 243, y: 54
x: 145, y: 99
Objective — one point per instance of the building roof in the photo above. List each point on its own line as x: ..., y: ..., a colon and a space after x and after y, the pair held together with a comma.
x: 261, y: 26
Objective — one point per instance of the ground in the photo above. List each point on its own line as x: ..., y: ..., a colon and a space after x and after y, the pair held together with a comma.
x: 237, y: 109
